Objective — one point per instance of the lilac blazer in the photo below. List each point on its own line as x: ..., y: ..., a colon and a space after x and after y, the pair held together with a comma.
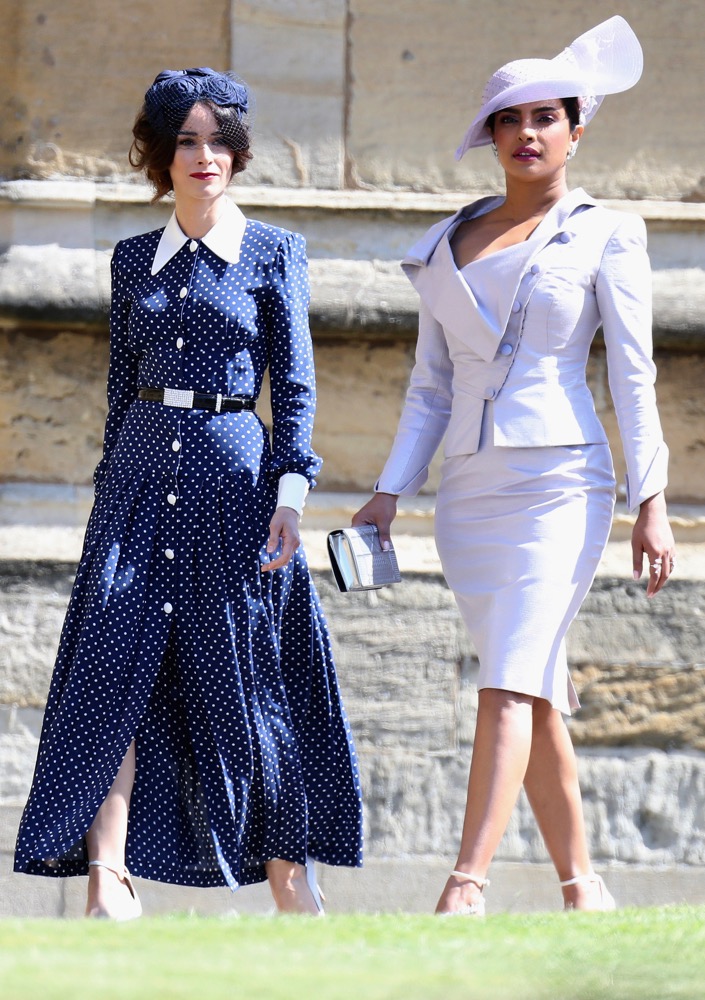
x: 522, y: 339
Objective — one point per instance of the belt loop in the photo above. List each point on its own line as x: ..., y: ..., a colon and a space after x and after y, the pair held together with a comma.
x: 218, y: 402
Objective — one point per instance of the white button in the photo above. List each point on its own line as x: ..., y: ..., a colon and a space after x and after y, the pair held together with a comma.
x: 183, y: 293
x: 516, y: 307
x: 171, y: 497
x: 506, y: 349
x: 535, y: 268
x: 565, y: 237
x: 193, y: 246
x: 179, y: 343
x: 168, y: 608
x: 169, y: 553
x: 490, y: 393
x: 175, y: 445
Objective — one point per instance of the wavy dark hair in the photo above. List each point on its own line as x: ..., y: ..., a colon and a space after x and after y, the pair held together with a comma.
x: 153, y: 150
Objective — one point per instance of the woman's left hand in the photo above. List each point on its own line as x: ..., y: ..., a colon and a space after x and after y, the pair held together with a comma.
x: 284, y: 532
x: 652, y: 537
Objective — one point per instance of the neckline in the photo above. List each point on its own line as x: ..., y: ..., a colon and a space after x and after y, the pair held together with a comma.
x: 493, y: 253
x: 536, y: 231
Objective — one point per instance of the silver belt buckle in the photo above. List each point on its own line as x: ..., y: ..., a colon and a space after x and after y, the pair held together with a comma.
x: 179, y: 397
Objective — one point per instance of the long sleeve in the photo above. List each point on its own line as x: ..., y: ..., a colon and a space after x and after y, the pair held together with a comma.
x: 291, y: 367
x: 623, y: 289
x: 425, y: 415
x: 122, y: 371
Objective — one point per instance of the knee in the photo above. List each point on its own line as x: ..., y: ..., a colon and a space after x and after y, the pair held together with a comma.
x: 504, y: 704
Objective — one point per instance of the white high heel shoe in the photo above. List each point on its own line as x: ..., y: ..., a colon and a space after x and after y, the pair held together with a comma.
x: 124, y: 877
x: 476, y: 909
x: 314, y: 886
x: 607, y: 901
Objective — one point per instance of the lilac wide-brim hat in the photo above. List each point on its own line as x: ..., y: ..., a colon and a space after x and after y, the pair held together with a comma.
x: 607, y: 59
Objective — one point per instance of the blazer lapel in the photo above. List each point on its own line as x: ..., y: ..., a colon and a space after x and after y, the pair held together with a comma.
x: 430, y: 267
x: 443, y: 288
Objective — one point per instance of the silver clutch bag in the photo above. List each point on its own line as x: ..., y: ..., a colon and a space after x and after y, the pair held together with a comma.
x: 359, y: 562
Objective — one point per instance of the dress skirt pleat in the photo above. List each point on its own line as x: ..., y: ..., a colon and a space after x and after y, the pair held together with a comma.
x: 222, y: 674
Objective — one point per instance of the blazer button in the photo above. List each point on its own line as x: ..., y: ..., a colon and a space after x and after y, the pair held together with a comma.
x: 506, y: 349
x: 516, y: 306
x: 565, y: 237
x: 535, y: 268
x: 490, y: 393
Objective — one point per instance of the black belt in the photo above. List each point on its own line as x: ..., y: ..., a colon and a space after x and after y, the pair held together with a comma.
x: 189, y: 400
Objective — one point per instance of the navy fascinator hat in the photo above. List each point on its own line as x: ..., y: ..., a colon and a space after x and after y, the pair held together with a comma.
x: 169, y: 100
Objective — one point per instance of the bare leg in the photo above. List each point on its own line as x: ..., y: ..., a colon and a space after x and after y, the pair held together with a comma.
x: 500, y: 757
x: 108, y: 896
x: 289, y: 887
x: 551, y: 785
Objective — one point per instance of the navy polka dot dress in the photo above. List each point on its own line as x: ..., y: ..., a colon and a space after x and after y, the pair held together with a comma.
x: 174, y: 637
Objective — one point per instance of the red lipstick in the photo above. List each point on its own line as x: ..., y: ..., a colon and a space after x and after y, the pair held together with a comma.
x: 525, y: 153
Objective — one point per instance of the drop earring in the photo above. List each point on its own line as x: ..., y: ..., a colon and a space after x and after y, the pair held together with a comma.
x: 572, y: 151
x: 494, y: 150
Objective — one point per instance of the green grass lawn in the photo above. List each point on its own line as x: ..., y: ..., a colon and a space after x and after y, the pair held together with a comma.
x: 640, y: 954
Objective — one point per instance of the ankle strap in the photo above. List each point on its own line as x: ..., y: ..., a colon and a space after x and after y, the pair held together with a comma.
x: 589, y: 877
x: 479, y: 882
x: 104, y: 864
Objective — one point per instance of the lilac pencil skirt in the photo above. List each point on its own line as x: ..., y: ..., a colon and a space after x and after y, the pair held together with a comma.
x: 520, y: 533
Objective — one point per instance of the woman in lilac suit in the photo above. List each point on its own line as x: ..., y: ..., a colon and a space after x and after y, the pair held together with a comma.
x: 512, y: 292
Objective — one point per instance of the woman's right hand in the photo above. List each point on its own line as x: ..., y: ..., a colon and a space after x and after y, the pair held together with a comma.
x: 380, y: 510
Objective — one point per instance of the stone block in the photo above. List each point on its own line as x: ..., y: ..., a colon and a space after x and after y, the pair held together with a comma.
x: 32, y: 608
x: 19, y: 738
x: 63, y: 58
x: 657, y: 705
x: 430, y: 62
x: 293, y: 57
x: 383, y: 885
x: 641, y: 806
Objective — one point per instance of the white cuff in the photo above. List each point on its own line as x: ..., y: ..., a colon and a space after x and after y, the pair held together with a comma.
x: 293, y: 489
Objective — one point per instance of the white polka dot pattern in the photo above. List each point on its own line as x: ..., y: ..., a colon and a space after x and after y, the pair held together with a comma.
x: 223, y: 675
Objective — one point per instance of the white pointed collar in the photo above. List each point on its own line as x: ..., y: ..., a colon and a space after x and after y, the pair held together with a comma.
x: 224, y: 239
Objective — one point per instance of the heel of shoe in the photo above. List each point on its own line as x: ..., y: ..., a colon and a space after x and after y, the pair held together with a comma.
x: 314, y: 887
x: 123, y: 876
x: 607, y: 901
x: 476, y: 909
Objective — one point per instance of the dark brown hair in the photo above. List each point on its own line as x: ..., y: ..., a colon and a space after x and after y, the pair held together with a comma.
x: 153, y: 151
x: 571, y: 106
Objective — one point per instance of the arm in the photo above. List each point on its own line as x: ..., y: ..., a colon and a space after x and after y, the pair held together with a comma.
x: 422, y: 425
x: 122, y: 370
x: 426, y: 412
x: 623, y: 289
x: 293, y: 395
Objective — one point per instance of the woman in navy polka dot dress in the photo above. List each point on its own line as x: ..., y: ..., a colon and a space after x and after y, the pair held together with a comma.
x: 194, y: 730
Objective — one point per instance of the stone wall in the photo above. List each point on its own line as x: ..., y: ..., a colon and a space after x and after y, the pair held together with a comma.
x: 350, y: 93
x: 54, y: 293
x: 72, y: 77
x: 410, y: 693
x: 52, y: 409
x: 359, y: 107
